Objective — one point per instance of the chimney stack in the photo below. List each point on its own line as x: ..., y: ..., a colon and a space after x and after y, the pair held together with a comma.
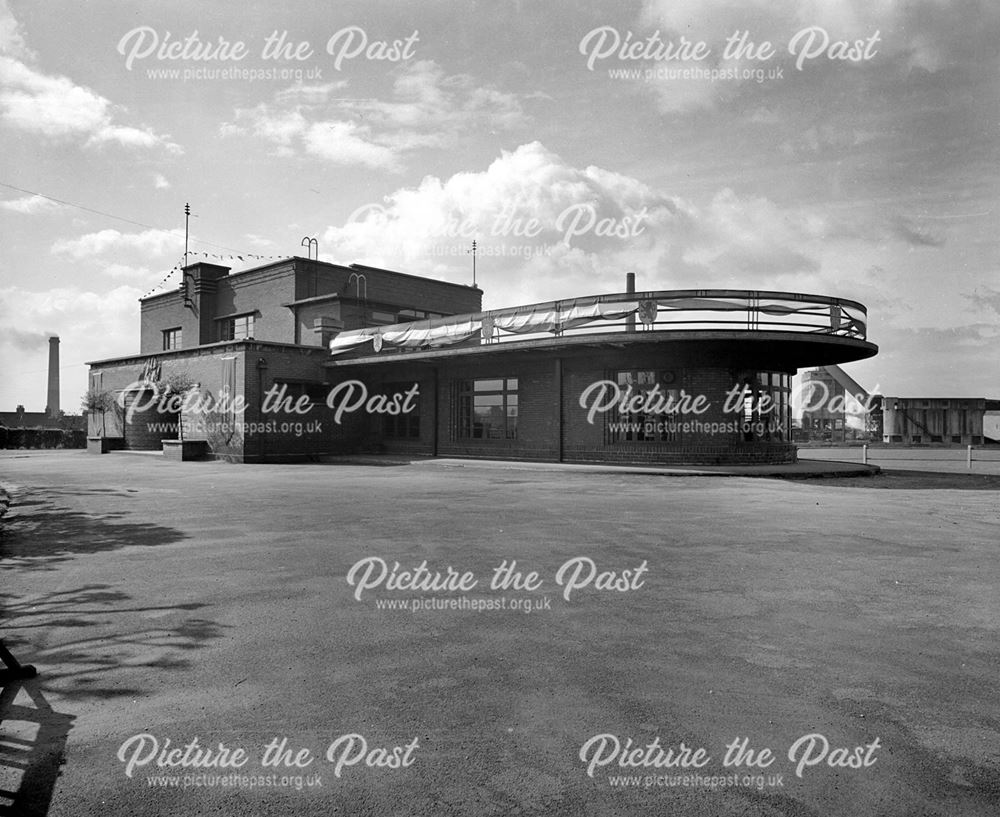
x: 52, y: 409
x: 630, y: 290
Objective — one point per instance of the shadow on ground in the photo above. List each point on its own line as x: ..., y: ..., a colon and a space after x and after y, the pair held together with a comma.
x: 109, y: 642
x: 32, y: 748
x: 88, y: 642
x: 115, y: 640
x: 39, y: 534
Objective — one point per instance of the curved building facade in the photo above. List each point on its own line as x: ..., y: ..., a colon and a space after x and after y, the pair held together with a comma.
x: 680, y: 377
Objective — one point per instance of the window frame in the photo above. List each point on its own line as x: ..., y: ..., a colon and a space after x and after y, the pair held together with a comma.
x: 464, y: 419
x: 227, y: 328
x: 173, y: 339
x: 667, y: 424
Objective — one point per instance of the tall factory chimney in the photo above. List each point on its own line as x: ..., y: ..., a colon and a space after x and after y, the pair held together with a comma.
x: 52, y: 408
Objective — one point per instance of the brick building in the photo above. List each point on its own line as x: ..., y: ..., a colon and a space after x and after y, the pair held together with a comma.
x: 330, y: 359
x: 237, y: 336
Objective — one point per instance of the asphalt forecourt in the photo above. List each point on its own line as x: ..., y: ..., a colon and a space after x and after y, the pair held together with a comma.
x: 475, y: 640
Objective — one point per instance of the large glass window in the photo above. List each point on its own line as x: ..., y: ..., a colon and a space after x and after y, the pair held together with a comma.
x: 648, y: 399
x: 487, y: 409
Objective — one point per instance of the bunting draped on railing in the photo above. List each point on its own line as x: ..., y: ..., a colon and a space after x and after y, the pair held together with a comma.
x: 662, y: 310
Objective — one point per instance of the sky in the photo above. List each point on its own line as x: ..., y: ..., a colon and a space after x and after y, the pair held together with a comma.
x: 839, y: 147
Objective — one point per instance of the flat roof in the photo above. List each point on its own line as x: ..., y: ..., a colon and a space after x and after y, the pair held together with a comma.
x: 292, y: 259
x: 219, y: 346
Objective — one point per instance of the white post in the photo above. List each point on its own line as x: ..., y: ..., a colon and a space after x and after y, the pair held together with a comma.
x: 968, y: 457
x: 864, y: 454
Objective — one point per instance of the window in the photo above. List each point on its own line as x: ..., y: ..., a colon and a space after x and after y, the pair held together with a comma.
x: 401, y: 426
x: 171, y: 339
x: 237, y: 328
x: 407, y: 315
x: 655, y: 425
x: 767, y: 412
x: 486, y: 409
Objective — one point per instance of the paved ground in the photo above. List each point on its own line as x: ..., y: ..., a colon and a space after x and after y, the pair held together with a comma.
x: 209, y: 600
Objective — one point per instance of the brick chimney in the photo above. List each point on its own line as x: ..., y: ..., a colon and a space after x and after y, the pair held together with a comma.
x: 52, y: 407
x: 201, y: 286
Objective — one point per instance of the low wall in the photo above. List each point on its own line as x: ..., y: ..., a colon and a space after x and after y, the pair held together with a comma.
x: 42, y: 438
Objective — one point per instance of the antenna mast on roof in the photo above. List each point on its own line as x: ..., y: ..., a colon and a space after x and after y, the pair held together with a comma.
x: 473, y: 251
x: 187, y: 218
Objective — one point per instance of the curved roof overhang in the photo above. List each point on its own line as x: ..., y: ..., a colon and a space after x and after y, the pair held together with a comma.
x: 778, y: 350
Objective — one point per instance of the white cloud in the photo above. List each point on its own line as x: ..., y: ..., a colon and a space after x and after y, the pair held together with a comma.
x: 428, y: 109
x: 160, y: 182
x: 55, y: 106
x: 73, y: 313
x: 700, y: 18
x: 345, y: 143
x: 12, y: 39
x: 132, y: 137
x: 148, y: 242
x: 548, y: 229
x: 932, y: 36
x: 90, y: 325
x: 309, y: 94
x: 752, y: 236
x: 30, y: 205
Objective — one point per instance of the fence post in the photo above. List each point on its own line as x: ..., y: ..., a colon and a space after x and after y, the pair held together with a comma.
x: 864, y: 454
x: 968, y: 457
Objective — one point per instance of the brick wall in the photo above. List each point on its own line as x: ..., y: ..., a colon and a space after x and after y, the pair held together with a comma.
x: 203, y: 366
x: 307, y: 315
x: 390, y: 287
x: 540, y: 408
x: 263, y: 292
x: 537, y: 422
x: 161, y: 312
x: 286, y: 434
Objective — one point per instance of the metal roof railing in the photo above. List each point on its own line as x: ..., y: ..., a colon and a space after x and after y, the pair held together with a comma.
x: 661, y: 310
